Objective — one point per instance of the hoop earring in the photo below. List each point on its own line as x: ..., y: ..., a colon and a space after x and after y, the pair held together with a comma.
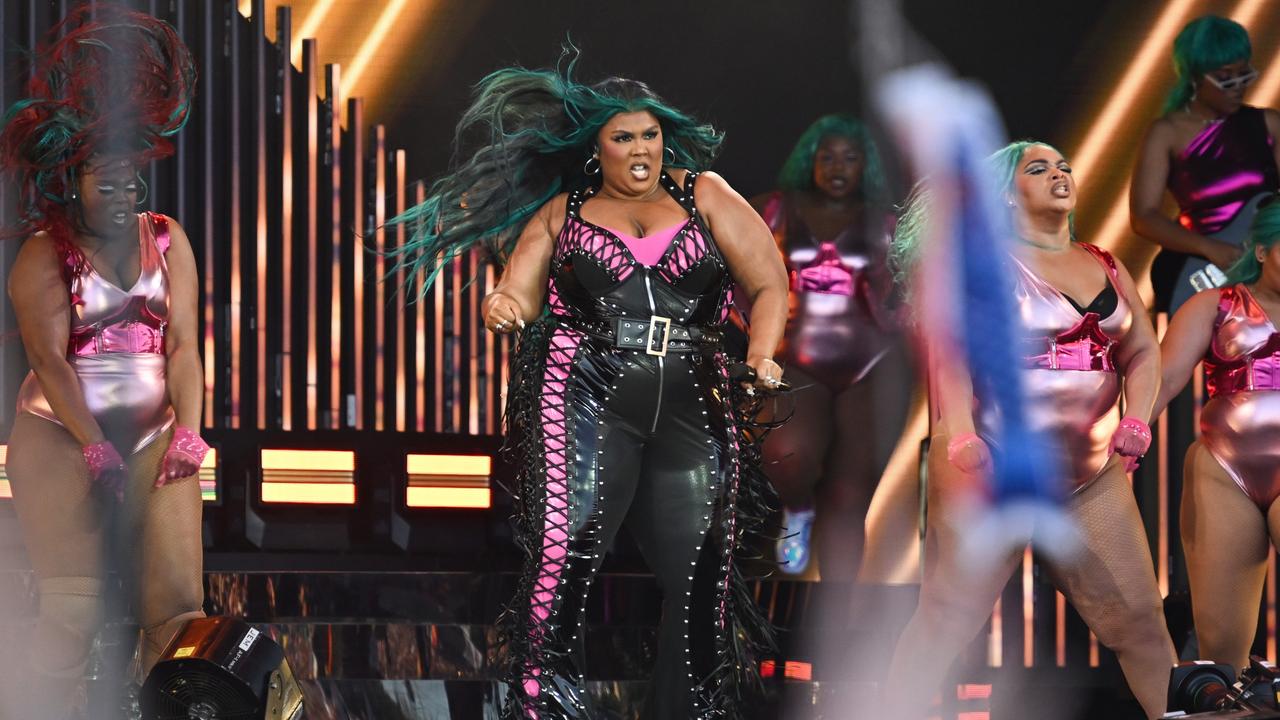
x: 667, y: 149
x: 586, y: 167
x: 146, y: 190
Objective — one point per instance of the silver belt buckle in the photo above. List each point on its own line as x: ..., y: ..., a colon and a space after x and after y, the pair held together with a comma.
x: 654, y: 321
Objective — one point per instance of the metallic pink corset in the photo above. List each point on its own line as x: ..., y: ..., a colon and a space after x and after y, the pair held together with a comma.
x: 824, y: 272
x: 116, y: 346
x: 107, y: 319
x: 1069, y: 380
x: 839, y: 326
x: 1245, y: 351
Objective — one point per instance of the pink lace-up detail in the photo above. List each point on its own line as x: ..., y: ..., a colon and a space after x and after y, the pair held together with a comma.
x: 690, y: 247
x: 555, y: 539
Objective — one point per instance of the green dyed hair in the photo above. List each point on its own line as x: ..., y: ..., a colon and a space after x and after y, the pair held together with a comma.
x: 525, y: 138
x: 913, y: 220
x: 1264, y: 232
x: 796, y: 174
x: 1205, y: 44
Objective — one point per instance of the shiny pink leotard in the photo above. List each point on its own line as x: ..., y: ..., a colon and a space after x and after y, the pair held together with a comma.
x: 839, y: 326
x: 1240, y: 425
x: 117, y: 347
x: 1069, y: 379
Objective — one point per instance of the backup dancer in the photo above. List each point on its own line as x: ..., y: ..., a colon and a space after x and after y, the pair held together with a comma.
x: 1232, y: 473
x: 106, y: 300
x: 831, y: 219
x: 1084, y: 348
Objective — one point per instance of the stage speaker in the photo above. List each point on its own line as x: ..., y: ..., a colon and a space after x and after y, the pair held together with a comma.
x: 221, y: 668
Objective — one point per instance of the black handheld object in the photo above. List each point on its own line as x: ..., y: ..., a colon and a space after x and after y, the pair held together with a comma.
x: 744, y: 373
x: 1207, y: 690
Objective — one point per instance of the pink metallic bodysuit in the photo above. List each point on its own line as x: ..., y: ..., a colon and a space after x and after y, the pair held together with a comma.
x: 1240, y: 425
x: 839, y: 328
x: 1070, y: 380
x: 117, y: 347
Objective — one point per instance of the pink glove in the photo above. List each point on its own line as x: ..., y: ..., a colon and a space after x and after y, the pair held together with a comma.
x: 106, y: 467
x: 1131, y: 441
x: 969, y: 454
x: 182, y: 459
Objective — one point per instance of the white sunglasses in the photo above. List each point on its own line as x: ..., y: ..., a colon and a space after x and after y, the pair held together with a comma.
x: 1232, y: 83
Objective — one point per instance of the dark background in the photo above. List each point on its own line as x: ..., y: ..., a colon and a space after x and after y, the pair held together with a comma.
x: 762, y: 71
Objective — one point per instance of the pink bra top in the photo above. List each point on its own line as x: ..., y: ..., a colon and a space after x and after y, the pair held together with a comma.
x: 1245, y: 351
x: 648, y: 250
x: 1057, y: 335
x: 109, y: 319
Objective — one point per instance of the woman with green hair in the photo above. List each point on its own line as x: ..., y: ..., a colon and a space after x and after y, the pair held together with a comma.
x: 620, y: 254
x: 1084, y: 344
x: 106, y: 425
x: 1213, y: 154
x: 1230, y: 517
x: 832, y: 220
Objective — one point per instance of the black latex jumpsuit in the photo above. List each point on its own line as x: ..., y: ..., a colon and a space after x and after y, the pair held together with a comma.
x: 619, y: 404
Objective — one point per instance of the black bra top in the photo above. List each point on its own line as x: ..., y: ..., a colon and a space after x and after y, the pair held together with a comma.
x: 1103, y: 305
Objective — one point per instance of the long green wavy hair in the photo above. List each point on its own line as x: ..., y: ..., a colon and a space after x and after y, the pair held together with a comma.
x: 525, y: 138
x: 1203, y: 45
x: 109, y: 82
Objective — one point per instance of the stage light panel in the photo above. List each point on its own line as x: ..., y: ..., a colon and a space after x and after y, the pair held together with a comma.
x: 208, y: 476
x: 453, y: 481
x: 316, y: 477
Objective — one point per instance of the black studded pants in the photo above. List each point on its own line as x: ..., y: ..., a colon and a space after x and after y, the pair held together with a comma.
x: 635, y: 439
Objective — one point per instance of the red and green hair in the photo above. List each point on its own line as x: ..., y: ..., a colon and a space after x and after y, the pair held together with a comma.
x: 109, y: 82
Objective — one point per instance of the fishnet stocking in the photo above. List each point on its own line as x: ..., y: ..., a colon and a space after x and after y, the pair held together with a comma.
x: 64, y: 524
x: 1224, y: 535
x: 1111, y: 582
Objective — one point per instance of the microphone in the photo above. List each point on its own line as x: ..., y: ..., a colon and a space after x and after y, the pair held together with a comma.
x: 744, y: 373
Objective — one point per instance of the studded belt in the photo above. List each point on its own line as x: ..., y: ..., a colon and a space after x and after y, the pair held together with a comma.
x: 655, y: 335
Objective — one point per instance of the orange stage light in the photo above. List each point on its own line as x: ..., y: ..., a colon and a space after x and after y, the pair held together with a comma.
x: 456, y: 481
x: 321, y: 477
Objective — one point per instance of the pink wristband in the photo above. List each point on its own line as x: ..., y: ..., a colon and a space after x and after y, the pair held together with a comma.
x: 188, y: 442
x: 958, y: 443
x: 1139, y: 430
x: 101, y: 457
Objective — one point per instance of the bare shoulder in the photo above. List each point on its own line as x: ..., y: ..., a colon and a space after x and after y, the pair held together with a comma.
x: 177, y: 233
x: 1272, y: 118
x: 1162, y: 132
x: 36, y: 265
x: 712, y: 189
x: 37, y: 251
x: 1203, y: 305
x: 551, y: 214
